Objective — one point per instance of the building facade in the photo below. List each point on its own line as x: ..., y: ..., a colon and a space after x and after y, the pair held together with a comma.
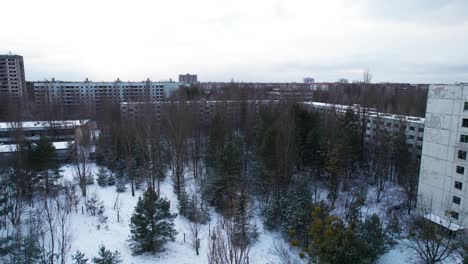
x: 62, y: 134
x: 374, y: 122
x: 88, y: 93
x: 188, y: 79
x: 443, y: 185
x: 12, y: 78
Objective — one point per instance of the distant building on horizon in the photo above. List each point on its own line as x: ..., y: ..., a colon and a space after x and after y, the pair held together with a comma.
x: 187, y: 79
x: 93, y: 95
x: 12, y: 79
x: 309, y: 80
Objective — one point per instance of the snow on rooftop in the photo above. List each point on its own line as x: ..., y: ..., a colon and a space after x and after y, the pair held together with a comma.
x: 61, y: 145
x: 413, y: 119
x: 443, y: 222
x: 39, y: 124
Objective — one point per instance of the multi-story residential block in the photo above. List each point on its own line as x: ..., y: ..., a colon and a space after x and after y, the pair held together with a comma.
x: 187, y: 79
x: 375, y: 122
x: 12, y: 79
x: 203, y: 110
x: 78, y: 94
x: 62, y: 133
x: 443, y: 181
x: 290, y: 93
x: 319, y: 87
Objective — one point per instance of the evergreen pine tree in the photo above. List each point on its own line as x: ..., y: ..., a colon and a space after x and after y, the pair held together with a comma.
x: 334, y: 167
x: 296, y: 211
x: 102, y: 177
x: 79, y: 258
x: 152, y: 224
x: 107, y: 257
x: 244, y: 232
x: 111, y: 180
x: 183, y: 202
x: 121, y: 182
x: 223, y: 181
x: 374, y: 235
x: 42, y: 158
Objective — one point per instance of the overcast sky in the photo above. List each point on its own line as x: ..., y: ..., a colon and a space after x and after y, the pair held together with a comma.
x: 419, y: 41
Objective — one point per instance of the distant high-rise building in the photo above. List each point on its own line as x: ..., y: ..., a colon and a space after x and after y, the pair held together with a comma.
x: 12, y: 79
x: 309, y: 80
x: 343, y: 80
x: 187, y: 78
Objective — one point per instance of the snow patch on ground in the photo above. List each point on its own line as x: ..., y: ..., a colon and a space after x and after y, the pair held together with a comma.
x: 88, y: 233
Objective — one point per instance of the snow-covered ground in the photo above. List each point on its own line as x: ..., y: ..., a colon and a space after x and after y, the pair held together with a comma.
x: 87, y: 235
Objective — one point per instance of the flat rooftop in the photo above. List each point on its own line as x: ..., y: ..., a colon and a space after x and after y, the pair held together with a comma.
x: 42, y: 124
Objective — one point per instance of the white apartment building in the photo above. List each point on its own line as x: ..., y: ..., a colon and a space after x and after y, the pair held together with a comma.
x: 443, y: 182
x: 412, y: 126
x: 62, y: 133
x: 97, y: 93
x: 60, y: 130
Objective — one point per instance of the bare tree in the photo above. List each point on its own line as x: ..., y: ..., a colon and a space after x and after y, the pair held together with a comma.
x: 196, y: 223
x: 82, y: 158
x: 282, y: 252
x: 223, y: 249
x: 118, y: 203
x: 72, y: 197
x: 176, y: 120
x: 63, y: 227
x: 433, y: 238
x: 49, y: 221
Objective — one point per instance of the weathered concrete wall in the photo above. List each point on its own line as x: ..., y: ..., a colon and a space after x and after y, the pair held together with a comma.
x: 443, y: 127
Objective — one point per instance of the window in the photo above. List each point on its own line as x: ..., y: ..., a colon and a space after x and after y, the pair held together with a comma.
x: 465, y: 122
x: 420, y: 129
x: 463, y: 138
x: 454, y: 214
x: 462, y: 154
x: 420, y: 138
x: 460, y: 169
x: 411, y: 137
x: 411, y: 128
x: 458, y: 185
x: 456, y: 200
x: 466, y: 106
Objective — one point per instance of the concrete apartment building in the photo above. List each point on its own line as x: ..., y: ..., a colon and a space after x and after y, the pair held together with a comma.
x: 443, y: 182
x: 413, y: 127
x: 12, y: 79
x: 78, y: 94
x: 187, y: 79
x: 62, y: 133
